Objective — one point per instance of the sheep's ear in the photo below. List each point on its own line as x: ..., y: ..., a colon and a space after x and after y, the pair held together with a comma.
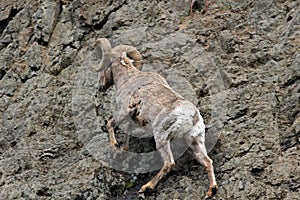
x: 131, y: 52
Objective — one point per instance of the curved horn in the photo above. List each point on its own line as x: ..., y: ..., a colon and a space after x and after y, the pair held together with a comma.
x: 106, y: 53
x: 132, y: 52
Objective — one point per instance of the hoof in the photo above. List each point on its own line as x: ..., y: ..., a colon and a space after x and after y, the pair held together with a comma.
x: 211, y: 192
x: 125, y: 148
x: 141, y: 196
x: 146, y: 188
x: 207, y: 197
x: 214, y: 190
x: 117, y: 147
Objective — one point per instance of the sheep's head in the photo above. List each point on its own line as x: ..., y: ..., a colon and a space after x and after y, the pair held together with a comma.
x: 109, y: 56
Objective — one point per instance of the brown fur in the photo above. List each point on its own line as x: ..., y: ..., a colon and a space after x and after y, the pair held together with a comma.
x: 150, y: 102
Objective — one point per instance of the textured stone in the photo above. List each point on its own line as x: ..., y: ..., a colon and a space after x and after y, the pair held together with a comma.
x: 46, y: 18
x: 241, y: 59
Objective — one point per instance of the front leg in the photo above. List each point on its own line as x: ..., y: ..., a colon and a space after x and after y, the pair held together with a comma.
x: 125, y: 146
x: 191, y: 7
x: 110, y: 127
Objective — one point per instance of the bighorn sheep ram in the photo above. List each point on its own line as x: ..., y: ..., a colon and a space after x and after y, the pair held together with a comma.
x: 148, y: 100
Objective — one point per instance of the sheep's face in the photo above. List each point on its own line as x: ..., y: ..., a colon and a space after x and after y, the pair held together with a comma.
x: 111, y: 59
x: 106, y: 79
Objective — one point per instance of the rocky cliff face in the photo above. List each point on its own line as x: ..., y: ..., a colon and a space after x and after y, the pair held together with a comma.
x: 242, y: 59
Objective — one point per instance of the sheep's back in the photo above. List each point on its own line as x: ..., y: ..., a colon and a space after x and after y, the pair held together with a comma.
x: 148, y: 101
x: 143, y: 96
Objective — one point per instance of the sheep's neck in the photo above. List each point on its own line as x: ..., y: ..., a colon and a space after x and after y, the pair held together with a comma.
x: 121, y: 73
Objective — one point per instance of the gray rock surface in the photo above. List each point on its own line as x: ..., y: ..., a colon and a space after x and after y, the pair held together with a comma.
x: 242, y: 59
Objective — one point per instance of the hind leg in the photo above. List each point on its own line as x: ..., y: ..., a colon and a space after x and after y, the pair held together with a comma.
x: 197, y: 144
x: 167, y: 156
